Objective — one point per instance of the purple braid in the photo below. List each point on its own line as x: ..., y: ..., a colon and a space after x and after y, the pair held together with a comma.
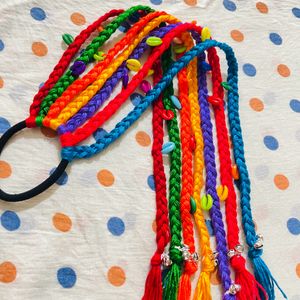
x: 98, y: 100
x: 211, y: 181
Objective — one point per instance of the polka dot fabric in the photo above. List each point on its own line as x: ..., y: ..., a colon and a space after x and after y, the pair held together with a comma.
x: 89, y: 235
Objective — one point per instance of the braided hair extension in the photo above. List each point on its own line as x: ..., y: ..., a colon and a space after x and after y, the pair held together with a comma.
x: 249, y: 287
x: 80, y: 63
x: 103, y: 94
x: 63, y: 63
x: 210, y: 186
x: 67, y: 104
x: 190, y: 256
x: 171, y: 280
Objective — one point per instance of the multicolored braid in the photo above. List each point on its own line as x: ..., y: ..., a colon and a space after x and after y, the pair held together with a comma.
x: 59, y: 69
x: 85, y: 58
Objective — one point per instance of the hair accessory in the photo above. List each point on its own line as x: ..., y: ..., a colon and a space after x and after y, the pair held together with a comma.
x: 70, y: 102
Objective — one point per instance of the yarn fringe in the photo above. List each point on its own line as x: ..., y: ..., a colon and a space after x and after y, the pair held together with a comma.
x: 203, y: 291
x: 250, y: 288
x: 185, y: 287
x: 171, y: 282
x: 264, y: 276
x: 153, y: 285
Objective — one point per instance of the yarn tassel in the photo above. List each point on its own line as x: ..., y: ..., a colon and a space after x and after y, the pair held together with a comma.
x: 203, y: 291
x: 185, y: 286
x: 250, y: 288
x: 153, y: 285
x: 263, y: 275
x: 171, y: 282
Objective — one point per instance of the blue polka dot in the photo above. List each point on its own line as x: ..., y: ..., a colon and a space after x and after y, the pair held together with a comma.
x: 275, y: 38
x: 229, y: 5
x: 156, y: 2
x: 249, y: 70
x: 1, y: 45
x: 99, y: 134
x: 4, y: 125
x: 38, y: 14
x: 41, y: 85
x: 296, y: 12
x: 295, y: 105
x: 136, y: 98
x: 209, y: 227
x: 293, y: 225
x: 66, y: 277
x: 63, y: 179
x: 151, y: 182
x: 116, y: 226
x: 10, y: 220
x: 271, y: 142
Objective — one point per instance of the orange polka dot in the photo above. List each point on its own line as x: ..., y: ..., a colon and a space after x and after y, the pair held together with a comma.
x: 262, y: 7
x: 62, y: 222
x: 143, y: 138
x: 78, y: 19
x: 283, y: 70
x: 8, y: 272
x: 237, y: 35
x: 191, y: 2
x: 48, y: 132
x: 154, y: 226
x: 256, y: 104
x: 116, y: 276
x: 215, y: 278
x: 281, y: 182
x: 298, y: 270
x: 105, y: 177
x: 1, y: 83
x: 39, y: 49
x: 5, y: 169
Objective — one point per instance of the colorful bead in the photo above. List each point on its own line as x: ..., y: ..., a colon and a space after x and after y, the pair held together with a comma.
x: 235, y: 172
x: 78, y: 68
x: 145, y: 86
x: 205, y: 66
x: 205, y: 34
x: 177, y: 40
x: 176, y: 102
x: 167, y: 114
x: 167, y: 147
x: 214, y: 101
x: 206, y: 202
x: 193, y: 205
x: 225, y: 85
x: 153, y: 41
x: 222, y: 192
x: 133, y: 64
x: 178, y: 49
x: 99, y: 56
x: 67, y: 38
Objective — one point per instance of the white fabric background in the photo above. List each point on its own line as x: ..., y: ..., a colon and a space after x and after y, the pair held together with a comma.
x: 38, y: 249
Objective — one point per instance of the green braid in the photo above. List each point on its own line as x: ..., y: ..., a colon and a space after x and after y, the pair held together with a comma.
x: 171, y: 281
x: 86, y: 56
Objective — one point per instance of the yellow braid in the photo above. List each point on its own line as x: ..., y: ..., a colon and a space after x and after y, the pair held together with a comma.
x: 202, y: 291
x: 76, y: 104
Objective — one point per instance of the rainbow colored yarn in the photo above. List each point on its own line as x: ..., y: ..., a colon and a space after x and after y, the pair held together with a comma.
x: 71, y: 101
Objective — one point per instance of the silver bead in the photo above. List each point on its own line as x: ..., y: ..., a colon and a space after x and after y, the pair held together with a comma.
x: 216, y: 262
x: 166, y: 261
x: 260, y: 242
x: 234, y: 288
x: 231, y: 253
x: 195, y: 257
x: 239, y: 248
